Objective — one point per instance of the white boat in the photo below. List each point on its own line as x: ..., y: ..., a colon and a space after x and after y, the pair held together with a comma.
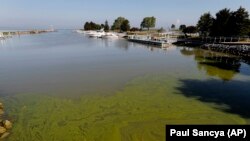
x: 97, y: 34
x: 80, y: 31
x: 110, y: 35
x: 1, y: 35
x: 86, y: 32
x: 89, y: 32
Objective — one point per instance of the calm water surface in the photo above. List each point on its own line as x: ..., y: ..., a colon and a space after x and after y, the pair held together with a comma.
x: 64, y: 83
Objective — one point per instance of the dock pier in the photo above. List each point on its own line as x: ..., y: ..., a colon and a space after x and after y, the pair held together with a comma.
x: 150, y: 42
x: 162, y: 40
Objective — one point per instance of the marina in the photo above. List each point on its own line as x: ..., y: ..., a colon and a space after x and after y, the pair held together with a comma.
x: 124, y: 70
x: 115, y: 82
x: 150, y: 42
x: 157, y: 39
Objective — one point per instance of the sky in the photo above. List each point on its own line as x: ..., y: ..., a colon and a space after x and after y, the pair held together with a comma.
x: 27, y: 14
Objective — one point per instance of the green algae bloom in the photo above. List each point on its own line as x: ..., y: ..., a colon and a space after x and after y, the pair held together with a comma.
x: 138, y: 112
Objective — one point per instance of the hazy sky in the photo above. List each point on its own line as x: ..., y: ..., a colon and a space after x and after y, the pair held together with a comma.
x: 73, y: 13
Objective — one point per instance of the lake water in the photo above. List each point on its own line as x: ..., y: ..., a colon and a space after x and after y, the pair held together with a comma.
x: 66, y: 86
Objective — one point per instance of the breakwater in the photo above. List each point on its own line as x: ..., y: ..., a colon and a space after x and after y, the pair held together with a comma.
x: 239, y: 50
x: 7, y: 34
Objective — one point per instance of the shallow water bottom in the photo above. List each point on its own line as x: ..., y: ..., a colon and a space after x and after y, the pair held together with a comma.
x: 138, y: 112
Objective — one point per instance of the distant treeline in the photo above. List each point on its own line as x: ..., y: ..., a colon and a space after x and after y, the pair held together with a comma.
x: 225, y: 23
x: 121, y: 24
x: 94, y: 26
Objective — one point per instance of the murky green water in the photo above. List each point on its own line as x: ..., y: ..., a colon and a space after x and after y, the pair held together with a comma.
x: 64, y: 86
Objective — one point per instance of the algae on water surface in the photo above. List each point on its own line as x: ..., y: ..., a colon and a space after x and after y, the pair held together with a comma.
x: 138, y: 112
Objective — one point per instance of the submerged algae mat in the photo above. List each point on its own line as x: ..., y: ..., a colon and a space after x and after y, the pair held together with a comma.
x: 139, y: 112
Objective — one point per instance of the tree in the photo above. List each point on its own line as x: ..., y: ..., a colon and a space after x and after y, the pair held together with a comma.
x: 87, y: 26
x: 92, y: 26
x: 148, y: 22
x: 106, y: 26
x: 190, y: 29
x: 161, y: 30
x: 125, y: 26
x: 205, y: 24
x: 134, y: 29
x: 172, y: 26
x: 102, y: 26
x: 239, y: 22
x: 182, y: 27
x: 226, y: 23
x: 95, y: 26
x: 117, y: 23
x: 221, y: 26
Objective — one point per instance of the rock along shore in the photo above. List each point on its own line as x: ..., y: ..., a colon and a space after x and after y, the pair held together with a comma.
x: 5, y: 125
x: 239, y: 50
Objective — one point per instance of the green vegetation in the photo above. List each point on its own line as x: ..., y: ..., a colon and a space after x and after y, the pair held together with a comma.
x: 161, y: 30
x: 106, y: 26
x: 120, y: 23
x: 92, y: 26
x: 125, y: 26
x: 182, y: 27
x: 205, y: 24
x: 190, y: 30
x: 172, y: 26
x: 226, y: 23
x: 135, y: 29
x: 148, y: 22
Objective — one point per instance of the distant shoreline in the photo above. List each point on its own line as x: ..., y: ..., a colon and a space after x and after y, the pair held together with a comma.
x: 9, y: 33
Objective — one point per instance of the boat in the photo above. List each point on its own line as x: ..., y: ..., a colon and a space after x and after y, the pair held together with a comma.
x: 1, y: 35
x: 110, y: 35
x: 97, y: 34
x: 89, y: 32
x: 80, y: 31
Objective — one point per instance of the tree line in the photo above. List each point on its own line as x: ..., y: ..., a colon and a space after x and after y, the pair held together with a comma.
x: 94, y: 26
x: 121, y: 24
x: 225, y: 23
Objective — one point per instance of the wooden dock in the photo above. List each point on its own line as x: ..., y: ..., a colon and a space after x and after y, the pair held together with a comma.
x: 150, y: 42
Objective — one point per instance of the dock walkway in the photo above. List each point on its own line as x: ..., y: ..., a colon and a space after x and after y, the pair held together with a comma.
x: 150, y: 42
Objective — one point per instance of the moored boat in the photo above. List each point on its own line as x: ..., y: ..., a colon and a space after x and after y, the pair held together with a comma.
x: 97, y: 34
x: 1, y: 35
x: 110, y: 35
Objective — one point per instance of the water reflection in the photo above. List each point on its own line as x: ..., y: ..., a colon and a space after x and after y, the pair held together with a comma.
x: 215, y: 64
x: 2, y: 42
x: 231, y: 97
x: 118, y: 43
